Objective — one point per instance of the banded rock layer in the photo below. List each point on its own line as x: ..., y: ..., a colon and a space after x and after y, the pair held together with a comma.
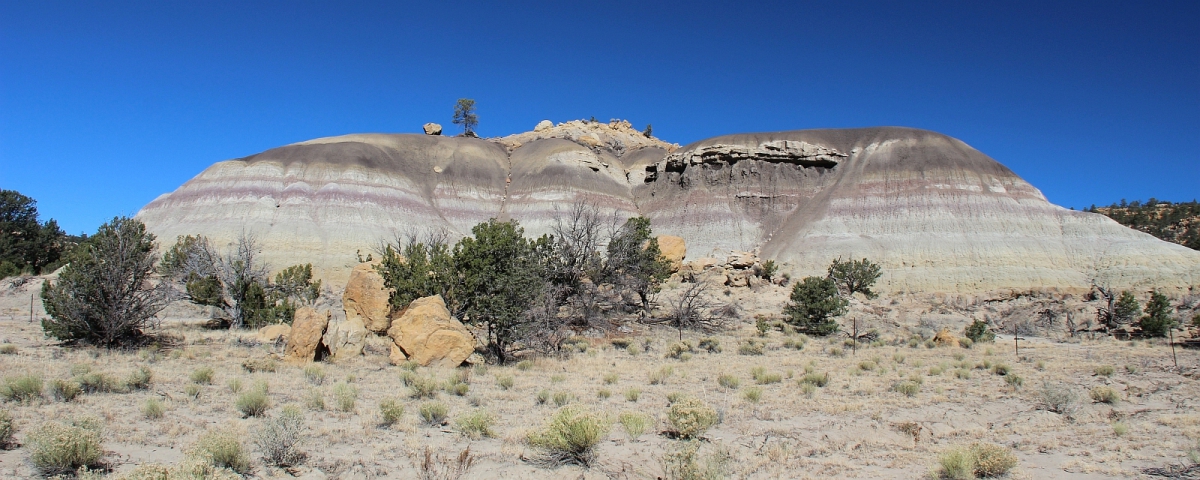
x: 935, y: 213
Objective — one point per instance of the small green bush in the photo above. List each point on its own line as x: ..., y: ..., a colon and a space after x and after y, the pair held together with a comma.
x: 476, y: 424
x: 1103, y: 394
x: 7, y: 430
x: 97, y: 382
x: 223, y: 448
x: 65, y: 390
x: 634, y: 423
x: 562, y: 398
x: 433, y: 413
x: 24, y: 388
x: 234, y: 385
x: 202, y: 375
x: 1120, y: 428
x: 992, y: 460
x: 139, y: 379
x: 345, y: 396
x: 1001, y: 369
x: 260, y: 364
x: 542, y: 396
x: 1057, y: 398
x: 505, y: 382
x: 8, y: 349
x: 192, y: 391
x: 817, y: 379
x: 978, y: 332
x: 727, y: 381
x: 253, y: 403
x: 684, y: 462
x: 620, y: 343
x: 1015, y: 381
x: 314, y: 374
x: 524, y: 365
x: 571, y: 435
x: 675, y: 350
x: 422, y: 387
x: 1105, y: 370
x: 57, y: 448
x: 962, y: 374
x: 152, y: 409
x: 457, y: 389
x: 610, y: 378
x: 691, y: 417
x: 752, y: 394
x: 957, y: 464
x: 314, y: 400
x: 751, y: 347
x: 808, y: 389
x: 710, y: 345
x: 659, y: 377
x: 603, y: 394
x: 907, y: 388
x: 632, y: 394
x: 390, y: 411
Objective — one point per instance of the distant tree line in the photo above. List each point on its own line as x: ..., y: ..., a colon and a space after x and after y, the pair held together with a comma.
x: 29, y: 246
x: 1173, y: 222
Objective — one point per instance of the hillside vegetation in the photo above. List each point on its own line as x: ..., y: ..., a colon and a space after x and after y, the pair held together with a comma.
x: 1173, y: 222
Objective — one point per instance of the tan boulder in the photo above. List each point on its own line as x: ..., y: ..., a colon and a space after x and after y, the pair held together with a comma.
x: 308, y: 327
x: 543, y: 125
x: 428, y: 335
x: 272, y: 333
x: 674, y: 249
x: 366, y: 298
x: 432, y: 129
x: 741, y: 259
x: 397, y: 355
x: 345, y: 339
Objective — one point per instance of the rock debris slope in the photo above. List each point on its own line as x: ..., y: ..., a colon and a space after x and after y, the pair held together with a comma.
x: 937, y: 214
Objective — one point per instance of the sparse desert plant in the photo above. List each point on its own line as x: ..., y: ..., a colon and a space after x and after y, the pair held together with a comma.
x: 727, y: 381
x: 571, y: 435
x: 978, y: 332
x: 153, y: 409
x: 962, y: 374
x: 557, y: 378
x: 867, y: 365
x: 1120, y: 428
x: 620, y: 343
x: 422, y: 387
x: 8, y: 349
x: 610, y: 378
x: 956, y: 464
x: 260, y: 364
x: 139, y: 379
x: 633, y: 350
x: 505, y: 382
x: 684, y: 462
x: 56, y: 447
x: 433, y: 413
x: 677, y: 349
x: 98, y: 382
x: 603, y: 394
x: 7, y: 429
x: 674, y: 397
x: 314, y: 374
x: 751, y: 347
x: 192, y: 391
x: 633, y: 394
x: 691, y: 417
x: 1105, y: 370
x: 752, y: 394
x: 542, y: 396
x: 202, y: 375
x: 992, y: 460
x: 1015, y: 381
x: 710, y: 345
x: 224, y: 449
x: 438, y: 467
x: 765, y: 378
x: 908, y: 388
x: 280, y: 438
x: 836, y: 352
x: 935, y: 370
x: 808, y: 389
x: 234, y: 385
x: 345, y: 396
x: 23, y: 388
x: 253, y: 403
x: 659, y: 377
x: 457, y: 389
x: 634, y: 423
x: 476, y: 424
x: 563, y: 397
x: 817, y: 379
x: 1131, y: 368
x: 390, y: 411
x: 314, y: 400
x: 1104, y: 394
x: 65, y: 390
x: 1057, y: 398
x: 1001, y: 369
x: 966, y: 342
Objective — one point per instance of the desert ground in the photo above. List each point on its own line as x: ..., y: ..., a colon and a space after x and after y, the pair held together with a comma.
x: 858, y: 425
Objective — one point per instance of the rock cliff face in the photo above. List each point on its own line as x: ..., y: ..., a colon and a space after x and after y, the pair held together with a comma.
x: 935, y: 213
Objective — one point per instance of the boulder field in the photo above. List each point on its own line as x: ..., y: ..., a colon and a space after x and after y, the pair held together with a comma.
x: 936, y: 214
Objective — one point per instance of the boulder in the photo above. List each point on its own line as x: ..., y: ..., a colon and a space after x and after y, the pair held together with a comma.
x: 366, y: 298
x: 432, y: 129
x: 428, y: 335
x: 397, y: 356
x: 741, y: 259
x: 543, y: 125
x: 739, y: 278
x: 346, y: 339
x: 674, y: 249
x: 272, y: 333
x: 304, y: 343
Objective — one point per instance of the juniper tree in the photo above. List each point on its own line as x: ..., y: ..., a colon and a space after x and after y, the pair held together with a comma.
x: 464, y: 114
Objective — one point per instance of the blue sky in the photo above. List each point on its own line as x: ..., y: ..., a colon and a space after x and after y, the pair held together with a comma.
x: 106, y: 105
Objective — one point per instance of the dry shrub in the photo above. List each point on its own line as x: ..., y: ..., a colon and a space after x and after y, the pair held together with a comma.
x: 279, y: 439
x: 223, y: 449
x: 571, y: 435
x: 438, y: 467
x: 7, y: 429
x: 980, y: 460
x: 684, y: 462
x: 56, y: 448
x: 690, y: 417
x: 476, y: 425
x: 24, y: 388
x: 1104, y: 394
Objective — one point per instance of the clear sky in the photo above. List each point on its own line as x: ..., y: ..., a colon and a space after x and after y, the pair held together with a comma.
x: 106, y: 105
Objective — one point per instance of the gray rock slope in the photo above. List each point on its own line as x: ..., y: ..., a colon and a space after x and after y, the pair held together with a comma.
x: 937, y: 214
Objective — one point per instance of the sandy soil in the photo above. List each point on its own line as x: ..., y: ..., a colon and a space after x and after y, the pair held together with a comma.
x: 848, y: 429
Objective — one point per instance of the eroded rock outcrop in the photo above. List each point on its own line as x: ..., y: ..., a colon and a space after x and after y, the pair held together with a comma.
x: 674, y: 249
x: 366, y: 298
x: 304, y: 341
x: 345, y: 340
x: 426, y: 333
